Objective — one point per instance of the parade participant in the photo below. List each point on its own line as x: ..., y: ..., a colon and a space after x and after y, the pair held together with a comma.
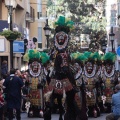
x: 115, y: 115
x: 13, y: 85
x: 36, y: 80
x: 90, y: 79
x: 78, y: 61
x: 62, y: 83
x: 108, y: 78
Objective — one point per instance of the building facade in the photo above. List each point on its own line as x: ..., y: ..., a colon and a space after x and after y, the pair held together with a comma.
x: 25, y: 20
x: 112, y: 13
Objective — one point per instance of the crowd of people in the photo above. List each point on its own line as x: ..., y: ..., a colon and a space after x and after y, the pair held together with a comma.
x: 13, y: 92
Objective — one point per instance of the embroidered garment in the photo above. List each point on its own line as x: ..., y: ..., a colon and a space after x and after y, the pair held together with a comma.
x: 59, y: 85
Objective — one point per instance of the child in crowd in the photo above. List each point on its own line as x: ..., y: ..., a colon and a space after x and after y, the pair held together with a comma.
x: 1, y: 99
x: 25, y: 89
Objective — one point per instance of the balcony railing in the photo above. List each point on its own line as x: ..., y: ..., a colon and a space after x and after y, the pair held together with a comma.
x: 30, y: 17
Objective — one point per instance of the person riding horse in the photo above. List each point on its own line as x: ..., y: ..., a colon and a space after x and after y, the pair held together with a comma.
x: 62, y: 84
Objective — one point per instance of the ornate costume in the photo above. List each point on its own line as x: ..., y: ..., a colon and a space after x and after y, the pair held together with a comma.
x: 90, y: 78
x: 108, y: 78
x: 37, y: 77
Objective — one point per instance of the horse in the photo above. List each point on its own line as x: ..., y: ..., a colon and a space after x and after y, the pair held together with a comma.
x: 62, y: 86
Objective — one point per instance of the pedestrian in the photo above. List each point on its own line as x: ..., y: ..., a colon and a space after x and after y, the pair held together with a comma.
x: 4, y: 69
x: 13, y: 86
x: 19, y: 74
x: 115, y: 115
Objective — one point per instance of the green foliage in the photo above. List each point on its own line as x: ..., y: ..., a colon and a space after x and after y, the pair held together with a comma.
x: 11, y: 35
x: 91, y: 13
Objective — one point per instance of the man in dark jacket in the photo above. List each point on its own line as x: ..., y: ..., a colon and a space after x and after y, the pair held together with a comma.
x: 13, y: 85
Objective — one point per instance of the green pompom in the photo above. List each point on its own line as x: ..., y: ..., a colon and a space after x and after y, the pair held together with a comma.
x: 109, y: 57
x: 78, y: 57
x: 34, y: 54
x: 44, y: 57
x: 87, y: 54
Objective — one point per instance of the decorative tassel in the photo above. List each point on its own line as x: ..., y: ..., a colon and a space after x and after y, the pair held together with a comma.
x: 27, y: 106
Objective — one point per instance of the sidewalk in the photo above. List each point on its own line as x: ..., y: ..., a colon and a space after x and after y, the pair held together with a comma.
x: 56, y: 116
x: 102, y: 117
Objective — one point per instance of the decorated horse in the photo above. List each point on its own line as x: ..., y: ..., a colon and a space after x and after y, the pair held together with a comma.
x: 108, y: 79
x: 37, y: 78
x: 61, y: 83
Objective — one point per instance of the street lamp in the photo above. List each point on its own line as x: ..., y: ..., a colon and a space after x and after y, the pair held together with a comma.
x: 11, y: 5
x: 47, y: 30
x: 119, y: 20
x: 111, y: 37
x: 104, y: 44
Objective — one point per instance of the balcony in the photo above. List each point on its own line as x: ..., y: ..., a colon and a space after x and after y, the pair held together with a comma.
x: 30, y: 17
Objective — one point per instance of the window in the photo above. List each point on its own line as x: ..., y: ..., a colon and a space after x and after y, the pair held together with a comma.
x: 119, y: 7
x: 39, y: 8
x: 39, y: 5
x: 39, y: 45
x: 39, y: 34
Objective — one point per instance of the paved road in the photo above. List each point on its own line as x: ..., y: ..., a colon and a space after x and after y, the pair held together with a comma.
x: 102, y: 117
x: 55, y: 117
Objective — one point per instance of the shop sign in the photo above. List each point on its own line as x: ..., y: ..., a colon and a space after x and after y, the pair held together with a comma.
x: 2, y: 45
x: 18, y: 47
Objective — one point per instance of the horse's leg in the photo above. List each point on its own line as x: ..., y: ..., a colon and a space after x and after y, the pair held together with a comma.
x: 47, y: 111
x: 59, y: 100
x: 71, y: 110
x: 48, y: 108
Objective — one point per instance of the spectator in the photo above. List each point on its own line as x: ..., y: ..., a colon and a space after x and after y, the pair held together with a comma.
x: 115, y: 115
x: 18, y: 73
x: 4, y: 69
x: 1, y: 102
x: 13, y: 85
x: 1, y: 82
x: 25, y: 92
x: 118, y: 80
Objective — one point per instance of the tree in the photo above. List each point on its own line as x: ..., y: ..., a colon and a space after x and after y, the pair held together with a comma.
x: 89, y: 16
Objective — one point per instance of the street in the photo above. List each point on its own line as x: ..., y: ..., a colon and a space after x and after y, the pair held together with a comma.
x: 55, y: 117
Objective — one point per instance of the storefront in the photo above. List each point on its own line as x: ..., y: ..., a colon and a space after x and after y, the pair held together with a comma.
x: 5, y: 53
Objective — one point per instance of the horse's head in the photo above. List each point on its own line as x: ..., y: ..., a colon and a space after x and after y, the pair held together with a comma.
x: 61, y: 40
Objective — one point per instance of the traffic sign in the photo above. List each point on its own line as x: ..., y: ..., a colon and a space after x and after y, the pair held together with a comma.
x: 118, y: 51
